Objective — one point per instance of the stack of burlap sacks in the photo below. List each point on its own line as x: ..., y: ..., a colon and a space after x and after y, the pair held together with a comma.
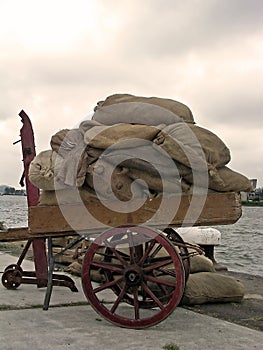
x: 131, y: 138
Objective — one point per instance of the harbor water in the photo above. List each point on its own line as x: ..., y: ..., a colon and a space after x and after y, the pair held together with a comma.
x: 241, y: 248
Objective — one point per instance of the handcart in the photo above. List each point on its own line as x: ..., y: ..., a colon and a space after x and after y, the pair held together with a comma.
x: 143, y: 264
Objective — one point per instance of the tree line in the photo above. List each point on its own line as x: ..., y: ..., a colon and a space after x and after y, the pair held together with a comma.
x: 8, y: 190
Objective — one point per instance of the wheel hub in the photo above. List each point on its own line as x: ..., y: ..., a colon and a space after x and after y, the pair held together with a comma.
x: 133, y: 276
x: 12, y: 278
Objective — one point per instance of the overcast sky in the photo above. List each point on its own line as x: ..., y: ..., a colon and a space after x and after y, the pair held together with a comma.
x: 59, y: 57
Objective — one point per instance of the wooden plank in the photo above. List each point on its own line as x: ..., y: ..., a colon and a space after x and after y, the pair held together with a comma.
x: 23, y: 234
x: 174, y: 211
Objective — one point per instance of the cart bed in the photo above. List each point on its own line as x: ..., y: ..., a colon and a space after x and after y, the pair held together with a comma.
x: 218, y: 209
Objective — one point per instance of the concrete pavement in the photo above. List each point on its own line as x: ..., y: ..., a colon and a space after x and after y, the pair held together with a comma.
x: 68, y: 325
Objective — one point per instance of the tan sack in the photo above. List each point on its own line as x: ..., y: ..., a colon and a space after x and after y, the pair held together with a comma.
x: 148, y: 163
x: 178, y: 108
x: 71, y: 147
x: 210, y: 287
x: 75, y: 268
x: 110, y: 182
x: 129, y: 135
x: 216, y: 152
x: 180, y: 143
x: 43, y: 169
x: 200, y: 263
x: 57, y: 139
x: 171, y: 185
x: 192, y: 145
x: 229, y: 180
x: 135, y: 113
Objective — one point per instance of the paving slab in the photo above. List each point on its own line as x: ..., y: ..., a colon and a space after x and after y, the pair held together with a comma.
x: 29, y: 295
x: 79, y: 327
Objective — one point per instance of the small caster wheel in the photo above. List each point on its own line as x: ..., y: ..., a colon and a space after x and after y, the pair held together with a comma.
x: 12, y: 279
x: 14, y: 267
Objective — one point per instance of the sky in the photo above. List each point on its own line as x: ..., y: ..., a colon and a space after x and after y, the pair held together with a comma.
x: 60, y: 57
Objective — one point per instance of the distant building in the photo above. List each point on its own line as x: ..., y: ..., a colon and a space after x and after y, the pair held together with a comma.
x: 248, y: 196
x: 253, y: 183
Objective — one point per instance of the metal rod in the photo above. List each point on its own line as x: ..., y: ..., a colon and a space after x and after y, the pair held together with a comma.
x: 50, y: 275
x: 23, y: 254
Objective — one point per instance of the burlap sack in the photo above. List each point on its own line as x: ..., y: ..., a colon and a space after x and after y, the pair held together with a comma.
x: 229, y: 180
x: 215, y: 150
x: 176, y: 107
x: 157, y: 183
x: 105, y: 136
x: 192, y: 146
x: 200, y: 263
x: 57, y: 139
x: 209, y: 287
x: 110, y: 182
x: 149, y: 164
x: 74, y: 268
x: 43, y: 169
x: 148, y: 157
x: 180, y: 143
x: 135, y: 113
x: 154, y: 164
x: 93, y: 154
x: 72, y: 149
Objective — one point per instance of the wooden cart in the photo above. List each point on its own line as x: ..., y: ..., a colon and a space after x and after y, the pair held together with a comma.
x: 142, y: 262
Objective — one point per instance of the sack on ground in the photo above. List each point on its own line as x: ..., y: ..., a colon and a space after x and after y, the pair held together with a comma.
x: 210, y: 287
x: 200, y: 263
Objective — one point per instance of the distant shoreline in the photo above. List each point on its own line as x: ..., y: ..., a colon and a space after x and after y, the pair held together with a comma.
x: 12, y: 194
x: 252, y: 204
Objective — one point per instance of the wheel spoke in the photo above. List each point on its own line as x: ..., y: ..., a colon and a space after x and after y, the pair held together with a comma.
x: 161, y: 262
x: 124, y: 255
x: 118, y: 256
x: 161, y: 281
x: 154, y: 298
x: 147, y: 252
x: 131, y: 247
x: 156, y: 251
x: 107, y: 266
x: 118, y: 300
x: 107, y: 285
x: 168, y: 272
x: 136, y: 304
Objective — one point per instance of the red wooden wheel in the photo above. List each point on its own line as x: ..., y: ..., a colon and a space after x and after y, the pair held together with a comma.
x: 138, y: 265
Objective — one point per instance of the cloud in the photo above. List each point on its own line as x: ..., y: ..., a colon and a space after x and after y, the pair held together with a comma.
x: 207, y: 54
x: 160, y: 28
